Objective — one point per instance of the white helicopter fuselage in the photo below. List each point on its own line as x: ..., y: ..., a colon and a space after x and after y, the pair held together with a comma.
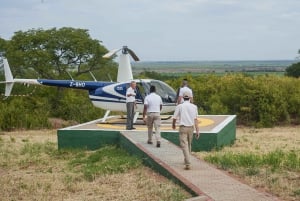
x: 113, y: 97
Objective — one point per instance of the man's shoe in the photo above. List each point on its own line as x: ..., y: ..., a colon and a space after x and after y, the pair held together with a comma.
x: 158, y: 144
x: 149, y: 142
x: 133, y: 128
x: 187, y: 167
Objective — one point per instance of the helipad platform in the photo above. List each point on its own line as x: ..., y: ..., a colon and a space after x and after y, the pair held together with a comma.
x: 216, y: 131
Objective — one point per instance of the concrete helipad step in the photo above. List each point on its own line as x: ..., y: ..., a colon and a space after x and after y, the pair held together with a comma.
x: 203, y: 179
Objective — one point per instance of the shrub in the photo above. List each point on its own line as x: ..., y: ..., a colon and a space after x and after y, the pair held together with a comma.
x: 293, y: 70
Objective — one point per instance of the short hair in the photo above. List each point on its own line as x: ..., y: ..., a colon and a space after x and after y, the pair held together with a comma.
x: 184, y: 82
x: 152, y: 88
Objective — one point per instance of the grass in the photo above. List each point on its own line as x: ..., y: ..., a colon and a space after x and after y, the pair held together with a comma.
x: 108, y: 160
x: 31, y: 168
x: 267, y: 159
x: 277, y: 160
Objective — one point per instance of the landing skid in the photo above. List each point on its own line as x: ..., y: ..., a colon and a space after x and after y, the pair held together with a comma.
x: 135, y: 117
x: 105, y: 116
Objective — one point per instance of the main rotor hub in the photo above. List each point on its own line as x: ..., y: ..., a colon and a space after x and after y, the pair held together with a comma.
x: 125, y: 50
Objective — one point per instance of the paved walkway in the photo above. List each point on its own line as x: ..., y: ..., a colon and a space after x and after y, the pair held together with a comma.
x: 207, y: 181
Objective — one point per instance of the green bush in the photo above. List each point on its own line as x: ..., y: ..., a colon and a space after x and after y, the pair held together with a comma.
x: 293, y: 70
x: 261, y: 101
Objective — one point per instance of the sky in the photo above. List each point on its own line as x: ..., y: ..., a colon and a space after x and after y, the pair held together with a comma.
x: 170, y: 30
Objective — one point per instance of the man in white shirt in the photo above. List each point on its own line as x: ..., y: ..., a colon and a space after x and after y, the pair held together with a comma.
x: 184, y: 89
x: 187, y: 116
x: 152, y: 107
x: 130, y: 104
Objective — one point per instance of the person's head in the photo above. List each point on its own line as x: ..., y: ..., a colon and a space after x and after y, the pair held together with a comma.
x: 133, y: 84
x: 186, y: 96
x: 152, y: 89
x: 184, y: 82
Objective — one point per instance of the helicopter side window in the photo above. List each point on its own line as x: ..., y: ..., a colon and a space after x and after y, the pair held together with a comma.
x: 139, y: 92
x: 165, y: 91
x: 145, y: 88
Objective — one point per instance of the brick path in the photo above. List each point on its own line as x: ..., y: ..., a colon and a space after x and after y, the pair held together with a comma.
x: 207, y: 181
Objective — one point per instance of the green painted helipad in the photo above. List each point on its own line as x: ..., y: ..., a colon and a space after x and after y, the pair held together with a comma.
x: 216, y: 131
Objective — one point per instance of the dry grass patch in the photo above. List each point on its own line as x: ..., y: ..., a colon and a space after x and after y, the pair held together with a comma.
x: 267, y: 159
x: 31, y: 168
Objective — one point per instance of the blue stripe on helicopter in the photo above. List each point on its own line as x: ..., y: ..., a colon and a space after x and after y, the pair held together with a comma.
x: 88, y: 85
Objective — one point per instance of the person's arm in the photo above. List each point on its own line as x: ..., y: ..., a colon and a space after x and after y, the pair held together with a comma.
x: 176, y: 116
x: 144, y: 113
x: 192, y: 96
x: 196, y: 123
x: 174, y: 124
x: 180, y: 94
x: 179, y: 100
x: 191, y: 99
x: 130, y: 92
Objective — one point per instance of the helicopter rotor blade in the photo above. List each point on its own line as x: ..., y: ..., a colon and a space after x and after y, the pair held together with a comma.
x: 133, y: 55
x: 111, y: 53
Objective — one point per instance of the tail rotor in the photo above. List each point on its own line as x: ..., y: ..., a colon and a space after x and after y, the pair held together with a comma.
x: 124, y: 70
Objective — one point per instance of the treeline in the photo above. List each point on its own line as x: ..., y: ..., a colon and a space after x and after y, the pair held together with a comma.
x: 260, y: 101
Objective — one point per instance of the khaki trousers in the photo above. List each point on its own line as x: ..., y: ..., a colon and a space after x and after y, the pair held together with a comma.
x: 186, y: 137
x: 153, y: 119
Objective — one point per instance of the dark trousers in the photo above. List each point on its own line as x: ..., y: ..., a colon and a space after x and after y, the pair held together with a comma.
x: 130, y: 114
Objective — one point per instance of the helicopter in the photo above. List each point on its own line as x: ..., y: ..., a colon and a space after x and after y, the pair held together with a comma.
x: 110, y: 96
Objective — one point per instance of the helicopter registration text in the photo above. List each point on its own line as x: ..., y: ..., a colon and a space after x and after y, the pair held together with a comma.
x: 77, y: 84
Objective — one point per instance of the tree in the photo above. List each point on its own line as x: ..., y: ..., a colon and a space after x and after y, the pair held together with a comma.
x: 50, y: 53
x: 294, y: 69
x: 3, y: 43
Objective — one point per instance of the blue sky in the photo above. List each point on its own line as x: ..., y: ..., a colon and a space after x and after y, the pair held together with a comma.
x: 170, y: 30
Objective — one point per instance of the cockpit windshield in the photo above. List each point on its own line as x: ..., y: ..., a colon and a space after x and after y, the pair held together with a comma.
x: 167, y: 94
